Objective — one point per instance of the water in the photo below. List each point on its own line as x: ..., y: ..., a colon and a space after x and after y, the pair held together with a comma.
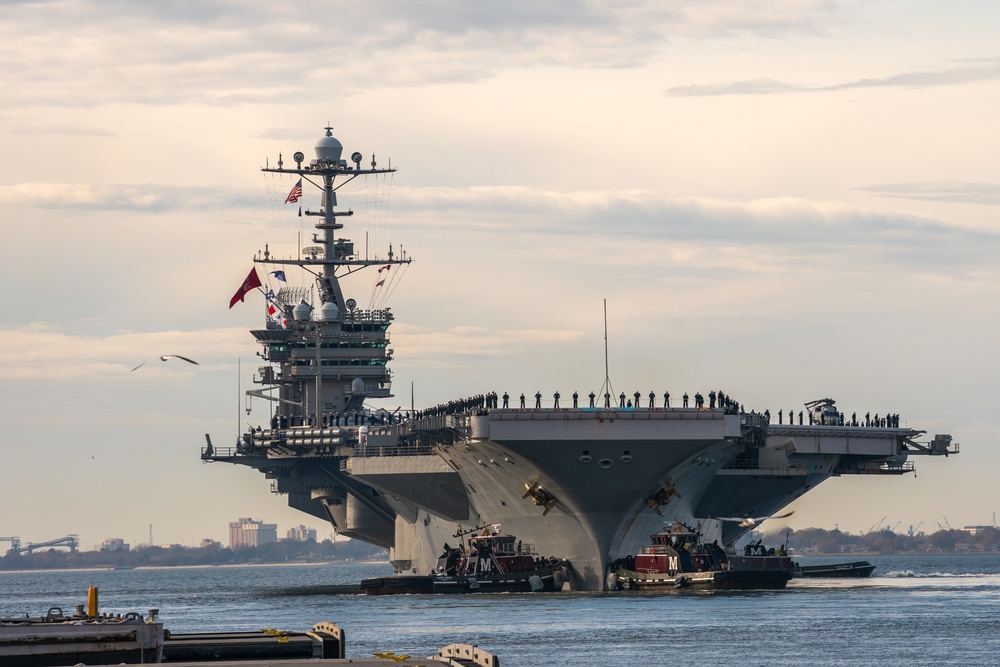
x: 918, y: 610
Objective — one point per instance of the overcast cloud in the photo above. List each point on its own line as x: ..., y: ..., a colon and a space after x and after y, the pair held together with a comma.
x: 782, y: 245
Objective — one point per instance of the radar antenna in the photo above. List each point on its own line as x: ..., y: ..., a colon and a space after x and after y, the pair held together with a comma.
x: 606, y: 389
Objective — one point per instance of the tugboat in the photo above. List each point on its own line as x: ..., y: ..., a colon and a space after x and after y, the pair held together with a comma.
x: 497, y: 563
x: 493, y: 562
x: 678, y: 559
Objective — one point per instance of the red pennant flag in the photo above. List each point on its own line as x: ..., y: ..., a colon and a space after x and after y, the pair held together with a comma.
x: 250, y: 283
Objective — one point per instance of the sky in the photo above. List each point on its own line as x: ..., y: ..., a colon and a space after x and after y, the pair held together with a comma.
x: 786, y: 200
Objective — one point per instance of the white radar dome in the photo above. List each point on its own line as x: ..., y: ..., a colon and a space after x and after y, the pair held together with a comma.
x: 358, y: 386
x: 329, y: 148
x: 301, y: 312
x: 328, y: 312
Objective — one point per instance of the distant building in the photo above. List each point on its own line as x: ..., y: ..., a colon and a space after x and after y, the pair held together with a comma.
x: 208, y: 542
x: 113, y: 544
x: 301, y: 534
x: 251, y: 533
x: 976, y: 530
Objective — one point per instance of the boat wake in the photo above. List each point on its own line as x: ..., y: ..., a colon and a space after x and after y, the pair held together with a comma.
x: 910, y: 574
x: 900, y: 574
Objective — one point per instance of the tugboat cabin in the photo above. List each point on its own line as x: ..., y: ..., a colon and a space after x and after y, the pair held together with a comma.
x: 489, y: 553
x: 679, y: 551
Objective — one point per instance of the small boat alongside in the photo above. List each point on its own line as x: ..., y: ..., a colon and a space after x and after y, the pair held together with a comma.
x: 400, y: 584
x: 856, y: 569
x: 678, y: 559
x: 758, y: 558
x: 493, y: 562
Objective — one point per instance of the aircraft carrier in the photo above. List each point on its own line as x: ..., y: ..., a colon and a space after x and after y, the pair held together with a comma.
x: 588, y: 482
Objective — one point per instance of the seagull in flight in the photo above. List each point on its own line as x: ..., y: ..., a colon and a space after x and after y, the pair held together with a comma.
x: 750, y: 521
x: 164, y: 357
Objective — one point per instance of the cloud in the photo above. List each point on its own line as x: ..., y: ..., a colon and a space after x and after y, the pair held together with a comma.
x: 950, y: 191
x: 627, y: 226
x: 71, y: 130
x: 752, y: 87
x: 83, y: 54
x: 612, y: 228
x: 455, y: 346
x: 722, y: 19
x: 127, y: 197
x: 42, y: 352
x: 971, y: 73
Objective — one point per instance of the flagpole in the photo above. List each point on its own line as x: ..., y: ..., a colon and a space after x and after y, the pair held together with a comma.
x: 239, y: 386
x: 319, y: 375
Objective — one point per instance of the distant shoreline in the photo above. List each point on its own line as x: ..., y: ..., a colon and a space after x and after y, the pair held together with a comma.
x: 844, y: 557
x: 191, y: 567
x: 876, y: 554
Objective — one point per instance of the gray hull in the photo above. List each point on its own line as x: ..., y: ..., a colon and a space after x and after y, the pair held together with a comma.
x: 608, y: 479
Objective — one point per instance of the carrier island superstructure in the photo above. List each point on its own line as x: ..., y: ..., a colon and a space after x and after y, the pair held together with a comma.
x: 587, y: 484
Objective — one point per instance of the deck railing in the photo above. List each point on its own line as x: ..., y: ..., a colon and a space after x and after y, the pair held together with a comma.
x: 757, y: 465
x: 367, y: 451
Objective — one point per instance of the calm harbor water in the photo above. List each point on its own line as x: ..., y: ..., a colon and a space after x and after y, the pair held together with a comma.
x: 916, y: 610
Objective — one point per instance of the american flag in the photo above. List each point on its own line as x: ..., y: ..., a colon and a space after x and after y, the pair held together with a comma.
x: 296, y: 192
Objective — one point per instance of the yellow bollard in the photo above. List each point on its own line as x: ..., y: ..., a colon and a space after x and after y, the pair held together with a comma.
x: 92, y: 602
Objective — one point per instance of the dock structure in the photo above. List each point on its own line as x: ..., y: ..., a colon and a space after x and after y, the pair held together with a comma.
x: 55, y: 640
x: 324, y: 645
x: 325, y: 641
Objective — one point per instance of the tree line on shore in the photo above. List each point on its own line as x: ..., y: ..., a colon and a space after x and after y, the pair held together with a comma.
x: 818, y: 540
x: 804, y: 541
x: 175, y: 555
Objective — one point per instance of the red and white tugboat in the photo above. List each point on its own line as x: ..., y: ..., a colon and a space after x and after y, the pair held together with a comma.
x: 678, y: 559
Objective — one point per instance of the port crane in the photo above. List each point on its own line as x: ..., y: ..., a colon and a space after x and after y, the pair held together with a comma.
x: 15, y: 543
x: 877, y: 525
x: 71, y: 541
